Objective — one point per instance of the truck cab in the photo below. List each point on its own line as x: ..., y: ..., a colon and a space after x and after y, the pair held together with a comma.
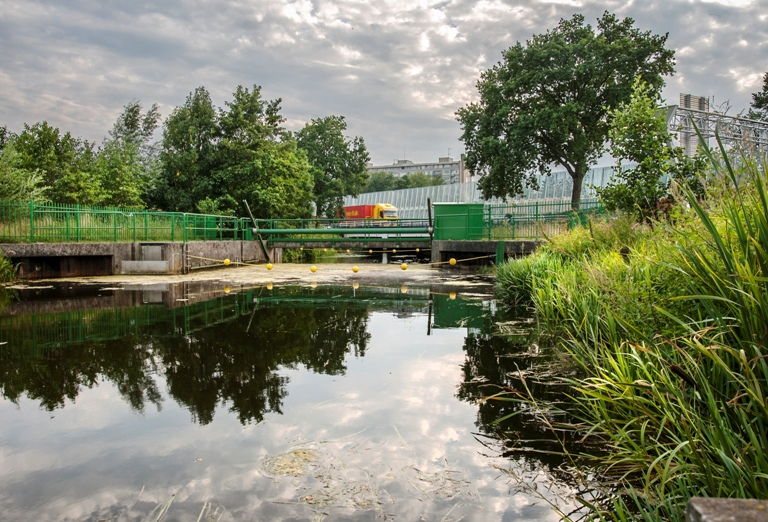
x: 384, y: 211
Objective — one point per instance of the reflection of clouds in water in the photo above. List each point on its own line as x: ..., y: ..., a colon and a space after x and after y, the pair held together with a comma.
x: 119, y: 451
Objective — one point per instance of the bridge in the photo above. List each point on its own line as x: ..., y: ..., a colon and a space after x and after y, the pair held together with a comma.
x: 49, y: 240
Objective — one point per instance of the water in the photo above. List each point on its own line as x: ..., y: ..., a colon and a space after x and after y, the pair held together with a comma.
x: 115, y: 399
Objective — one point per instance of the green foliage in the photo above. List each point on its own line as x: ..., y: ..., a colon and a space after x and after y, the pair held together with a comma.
x: 18, y: 184
x: 759, y: 108
x: 216, y: 158
x: 381, y: 181
x: 7, y: 274
x: 64, y: 163
x: 669, y: 338
x: 338, y: 163
x: 548, y: 101
x: 639, y: 134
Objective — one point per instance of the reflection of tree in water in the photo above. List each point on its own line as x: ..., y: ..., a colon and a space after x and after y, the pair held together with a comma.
x: 234, y: 362
x: 493, y: 362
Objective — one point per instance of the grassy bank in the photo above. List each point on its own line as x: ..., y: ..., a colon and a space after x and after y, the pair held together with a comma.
x: 667, y: 323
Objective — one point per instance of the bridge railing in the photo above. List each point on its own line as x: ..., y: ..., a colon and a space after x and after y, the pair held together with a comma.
x: 34, y: 222
x: 536, y: 220
x: 337, y: 230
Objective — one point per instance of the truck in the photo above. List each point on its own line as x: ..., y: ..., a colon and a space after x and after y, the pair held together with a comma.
x: 377, y: 211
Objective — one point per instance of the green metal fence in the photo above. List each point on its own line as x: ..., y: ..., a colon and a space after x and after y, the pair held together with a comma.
x: 34, y: 222
x: 536, y: 220
x: 342, y: 230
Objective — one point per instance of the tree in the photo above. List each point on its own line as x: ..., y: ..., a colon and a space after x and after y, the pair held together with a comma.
x: 64, y: 163
x: 380, y: 181
x: 759, y: 109
x: 639, y: 134
x: 547, y: 102
x: 16, y: 183
x: 419, y: 179
x: 338, y: 163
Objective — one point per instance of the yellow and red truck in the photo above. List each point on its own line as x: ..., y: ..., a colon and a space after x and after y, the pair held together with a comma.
x: 377, y: 211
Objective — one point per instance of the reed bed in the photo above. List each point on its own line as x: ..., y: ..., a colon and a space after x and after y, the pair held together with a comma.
x: 667, y: 325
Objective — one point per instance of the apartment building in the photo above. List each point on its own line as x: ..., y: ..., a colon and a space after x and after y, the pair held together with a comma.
x: 452, y: 171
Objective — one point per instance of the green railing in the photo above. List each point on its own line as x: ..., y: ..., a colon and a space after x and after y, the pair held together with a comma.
x: 536, y: 220
x: 34, y: 222
x: 342, y: 230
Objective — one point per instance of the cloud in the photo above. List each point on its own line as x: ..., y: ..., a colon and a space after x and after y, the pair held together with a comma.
x: 398, y: 70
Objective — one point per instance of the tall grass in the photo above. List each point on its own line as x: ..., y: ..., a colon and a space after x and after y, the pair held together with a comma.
x: 7, y: 269
x: 669, y: 335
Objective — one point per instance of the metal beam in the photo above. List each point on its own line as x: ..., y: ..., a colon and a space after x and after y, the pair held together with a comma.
x: 732, y: 130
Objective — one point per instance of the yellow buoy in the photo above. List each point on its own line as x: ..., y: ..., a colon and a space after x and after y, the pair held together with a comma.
x: 394, y: 251
x: 269, y: 266
x: 355, y: 269
x: 404, y: 266
x: 313, y: 269
x: 226, y: 262
x: 417, y: 250
x: 452, y: 262
x: 269, y: 286
x: 370, y: 251
x: 227, y: 289
x: 403, y: 289
x: 301, y: 248
x: 325, y: 250
x: 355, y: 285
x: 347, y: 251
x: 452, y: 295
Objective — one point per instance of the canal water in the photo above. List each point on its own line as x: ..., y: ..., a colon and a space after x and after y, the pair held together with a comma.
x: 203, y: 401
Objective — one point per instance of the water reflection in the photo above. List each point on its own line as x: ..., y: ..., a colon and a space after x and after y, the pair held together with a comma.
x: 374, y: 369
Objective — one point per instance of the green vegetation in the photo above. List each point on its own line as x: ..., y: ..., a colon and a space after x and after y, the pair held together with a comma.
x: 639, y: 134
x: 7, y: 272
x: 307, y: 255
x: 210, y: 159
x: 381, y: 181
x: 667, y: 325
x: 759, y: 109
x: 548, y: 101
x: 338, y: 163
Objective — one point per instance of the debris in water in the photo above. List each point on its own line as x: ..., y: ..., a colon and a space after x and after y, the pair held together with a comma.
x: 290, y: 463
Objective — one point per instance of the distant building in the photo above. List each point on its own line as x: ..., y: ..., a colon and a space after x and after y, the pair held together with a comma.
x: 452, y: 171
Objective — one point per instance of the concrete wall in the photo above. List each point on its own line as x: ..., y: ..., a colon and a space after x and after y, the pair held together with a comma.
x: 45, y: 260
x: 444, y: 250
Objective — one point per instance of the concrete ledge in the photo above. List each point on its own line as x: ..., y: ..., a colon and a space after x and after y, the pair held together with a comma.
x: 145, y: 267
x: 726, y: 510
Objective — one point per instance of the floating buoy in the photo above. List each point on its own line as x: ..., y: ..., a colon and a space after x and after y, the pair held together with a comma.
x: 269, y: 266
x: 452, y: 295
x: 325, y: 250
x: 347, y: 251
x: 226, y: 262
x: 404, y: 266
x: 301, y: 248
x: 370, y: 251
x: 417, y: 250
x: 269, y: 286
x: 227, y: 289
x: 355, y: 285
x: 394, y: 251
x: 403, y: 289
x: 452, y: 262
x: 355, y: 269
x: 313, y: 269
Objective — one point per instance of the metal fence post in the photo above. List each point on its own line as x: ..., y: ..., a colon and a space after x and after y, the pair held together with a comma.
x: 184, y: 224
x: 134, y: 227
x: 31, y: 221
x: 114, y: 226
x: 77, y: 223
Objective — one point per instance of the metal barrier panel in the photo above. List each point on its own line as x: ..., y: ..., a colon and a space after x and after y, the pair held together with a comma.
x: 33, y: 222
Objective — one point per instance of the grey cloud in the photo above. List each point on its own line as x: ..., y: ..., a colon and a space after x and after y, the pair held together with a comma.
x: 397, y: 70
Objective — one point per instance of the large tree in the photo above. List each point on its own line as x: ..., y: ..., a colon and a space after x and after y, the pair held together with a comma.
x: 338, y: 163
x: 547, y: 102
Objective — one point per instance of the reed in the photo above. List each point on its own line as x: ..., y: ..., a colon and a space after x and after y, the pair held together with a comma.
x: 669, y: 338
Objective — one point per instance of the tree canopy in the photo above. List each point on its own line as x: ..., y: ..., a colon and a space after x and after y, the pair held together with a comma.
x: 381, y: 181
x: 759, y: 108
x: 338, y: 163
x: 639, y: 134
x: 548, y: 101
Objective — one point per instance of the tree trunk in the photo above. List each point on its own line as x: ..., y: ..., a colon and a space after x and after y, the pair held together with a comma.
x: 578, y: 180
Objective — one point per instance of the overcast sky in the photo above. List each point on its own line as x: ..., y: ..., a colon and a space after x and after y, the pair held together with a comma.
x: 397, y: 69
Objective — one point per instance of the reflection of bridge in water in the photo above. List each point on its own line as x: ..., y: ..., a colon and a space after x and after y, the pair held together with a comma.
x: 34, y: 327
